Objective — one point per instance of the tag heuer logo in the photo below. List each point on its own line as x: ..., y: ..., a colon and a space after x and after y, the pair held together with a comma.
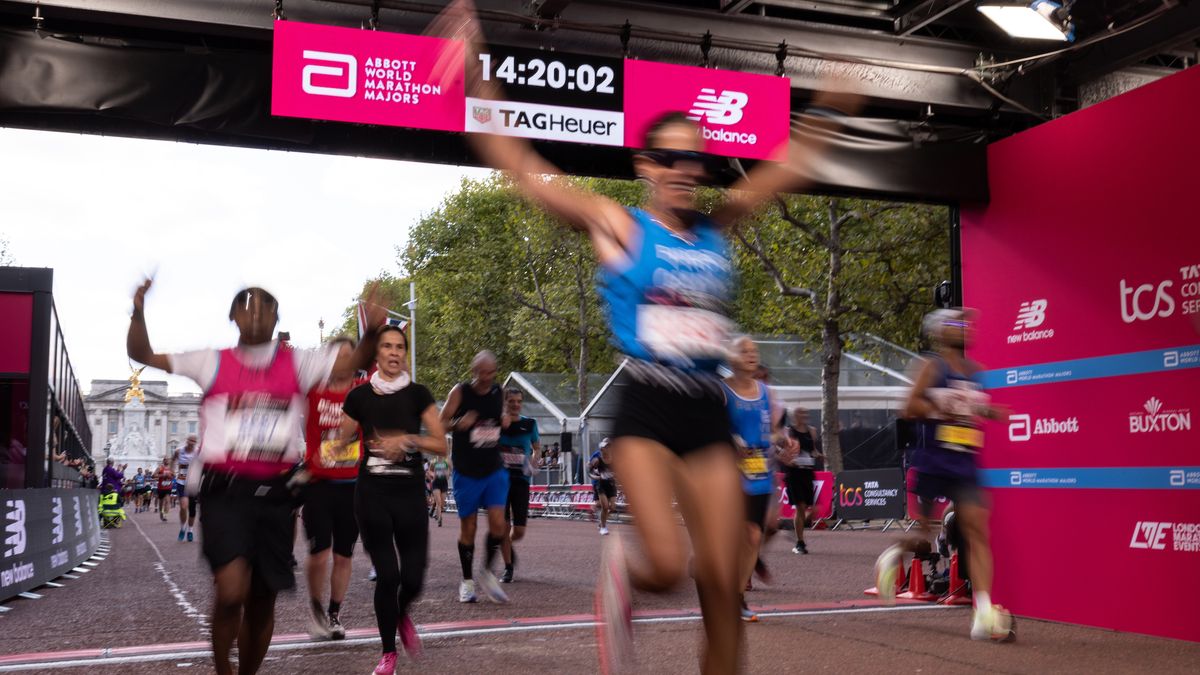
x: 482, y: 114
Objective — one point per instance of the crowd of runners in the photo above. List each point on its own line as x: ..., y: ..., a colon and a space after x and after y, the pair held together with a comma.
x: 375, y: 462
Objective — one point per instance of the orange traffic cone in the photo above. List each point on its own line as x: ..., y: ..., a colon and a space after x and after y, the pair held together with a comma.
x: 957, y: 595
x: 916, y: 584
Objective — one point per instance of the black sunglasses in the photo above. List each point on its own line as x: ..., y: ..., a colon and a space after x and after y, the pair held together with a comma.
x: 669, y: 158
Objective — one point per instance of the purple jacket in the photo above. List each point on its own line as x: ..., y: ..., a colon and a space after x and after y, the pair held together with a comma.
x: 114, y: 477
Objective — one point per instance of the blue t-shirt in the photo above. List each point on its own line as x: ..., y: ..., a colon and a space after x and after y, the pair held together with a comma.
x: 516, y: 443
x: 751, y: 423
x: 668, y: 302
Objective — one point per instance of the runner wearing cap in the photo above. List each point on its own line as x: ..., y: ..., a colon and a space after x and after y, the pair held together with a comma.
x: 604, y: 486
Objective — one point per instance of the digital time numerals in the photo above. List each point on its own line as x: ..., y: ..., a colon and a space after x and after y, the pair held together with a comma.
x: 552, y: 74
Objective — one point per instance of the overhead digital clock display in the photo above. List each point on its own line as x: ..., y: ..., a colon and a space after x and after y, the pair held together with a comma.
x: 555, y: 78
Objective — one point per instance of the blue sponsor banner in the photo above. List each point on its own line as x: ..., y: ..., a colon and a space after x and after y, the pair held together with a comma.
x: 1134, y: 363
x: 1105, y: 478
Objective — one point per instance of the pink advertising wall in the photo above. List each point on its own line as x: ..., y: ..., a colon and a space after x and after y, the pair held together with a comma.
x: 1085, y: 267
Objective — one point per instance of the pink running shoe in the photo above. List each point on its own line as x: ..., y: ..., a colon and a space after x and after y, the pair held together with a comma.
x: 410, y: 639
x: 387, y: 664
x: 614, y: 611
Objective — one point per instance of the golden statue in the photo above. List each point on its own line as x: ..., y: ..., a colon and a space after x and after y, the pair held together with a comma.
x: 135, y: 386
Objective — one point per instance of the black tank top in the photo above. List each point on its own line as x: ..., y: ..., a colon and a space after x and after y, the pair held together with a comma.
x: 808, y: 447
x: 476, y: 451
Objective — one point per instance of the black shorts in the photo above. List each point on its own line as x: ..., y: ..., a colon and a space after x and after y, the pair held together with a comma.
x: 328, y: 516
x: 516, y: 511
x: 607, y: 488
x: 958, y: 489
x: 799, y: 484
x: 441, y: 484
x: 163, y: 494
x: 259, y: 529
x: 684, y: 418
x: 757, y: 507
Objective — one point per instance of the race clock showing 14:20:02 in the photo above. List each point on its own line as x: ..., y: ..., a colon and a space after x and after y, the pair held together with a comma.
x: 554, y: 78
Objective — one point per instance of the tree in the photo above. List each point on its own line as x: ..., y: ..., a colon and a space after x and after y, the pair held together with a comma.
x: 829, y: 268
x: 6, y: 258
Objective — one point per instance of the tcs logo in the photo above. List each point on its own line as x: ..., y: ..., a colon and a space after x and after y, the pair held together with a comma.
x: 850, y: 496
x: 1146, y: 302
x: 347, y: 67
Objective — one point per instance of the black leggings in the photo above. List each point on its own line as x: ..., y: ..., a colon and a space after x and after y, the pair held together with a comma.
x: 392, y: 518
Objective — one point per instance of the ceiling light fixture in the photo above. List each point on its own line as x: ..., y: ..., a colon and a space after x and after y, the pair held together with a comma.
x: 1037, y: 20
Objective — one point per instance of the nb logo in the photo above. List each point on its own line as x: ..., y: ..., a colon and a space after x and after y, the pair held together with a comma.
x: 56, y: 521
x: 1148, y: 535
x: 1133, y: 303
x: 724, y: 109
x: 14, y: 527
x: 1031, y: 314
x: 347, y: 67
x: 1020, y: 428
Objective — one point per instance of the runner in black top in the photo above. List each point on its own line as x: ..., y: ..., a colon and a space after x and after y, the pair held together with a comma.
x: 798, y: 472
x: 518, y: 441
x: 474, y: 411
x: 389, y: 501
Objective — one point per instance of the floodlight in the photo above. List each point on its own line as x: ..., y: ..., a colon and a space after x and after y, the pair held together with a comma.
x: 1037, y: 20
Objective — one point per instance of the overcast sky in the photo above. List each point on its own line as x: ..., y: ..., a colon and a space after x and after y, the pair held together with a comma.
x: 206, y: 221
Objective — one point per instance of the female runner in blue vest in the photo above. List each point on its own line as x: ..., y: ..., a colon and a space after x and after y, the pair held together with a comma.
x: 666, y: 278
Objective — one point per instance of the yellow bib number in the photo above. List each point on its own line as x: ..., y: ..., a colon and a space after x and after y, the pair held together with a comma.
x: 955, y: 435
x: 753, y: 466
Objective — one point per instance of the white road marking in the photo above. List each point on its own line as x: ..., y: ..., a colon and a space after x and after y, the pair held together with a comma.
x: 181, y: 598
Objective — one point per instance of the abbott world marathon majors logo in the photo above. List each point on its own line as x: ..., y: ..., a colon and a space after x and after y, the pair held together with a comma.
x: 388, y: 80
x: 1164, y: 536
x: 1030, y: 316
x: 1022, y: 427
x: 1154, y: 418
x: 721, y: 110
x: 1159, y: 300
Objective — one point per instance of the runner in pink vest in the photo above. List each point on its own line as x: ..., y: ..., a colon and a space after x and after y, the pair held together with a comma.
x: 250, y: 441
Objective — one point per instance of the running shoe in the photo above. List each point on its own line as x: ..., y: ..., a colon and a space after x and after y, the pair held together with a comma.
x: 439, y: 520
x: 507, y: 577
x: 996, y: 625
x: 387, y: 665
x: 318, y: 622
x: 764, y: 574
x: 181, y: 535
x: 336, y: 630
x: 466, y: 591
x: 190, y: 536
x: 748, y: 615
x: 491, y: 587
x: 614, y: 611
x: 886, y: 567
x: 372, y: 575
x: 410, y: 639
x: 604, y: 530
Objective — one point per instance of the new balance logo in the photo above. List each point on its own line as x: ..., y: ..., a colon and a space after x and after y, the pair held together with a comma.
x: 347, y: 67
x: 14, y: 527
x: 56, y: 521
x: 1149, y: 535
x: 1031, y: 314
x: 724, y: 109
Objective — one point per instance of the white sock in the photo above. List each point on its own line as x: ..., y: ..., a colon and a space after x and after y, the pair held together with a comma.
x: 983, y: 602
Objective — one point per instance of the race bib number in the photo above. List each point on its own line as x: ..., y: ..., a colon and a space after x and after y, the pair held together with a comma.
x: 485, y: 436
x: 260, y: 430
x: 515, y: 460
x: 804, y: 460
x: 333, y: 455
x: 378, y: 466
x: 967, y: 439
x: 682, y: 333
x: 753, y: 466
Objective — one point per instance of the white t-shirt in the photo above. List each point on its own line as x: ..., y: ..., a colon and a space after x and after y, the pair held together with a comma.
x: 313, y: 367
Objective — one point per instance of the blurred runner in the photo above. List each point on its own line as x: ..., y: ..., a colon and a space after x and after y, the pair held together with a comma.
x: 518, y: 441
x: 164, y: 480
x: 666, y: 278
x: 948, y: 395
x: 604, y: 486
x: 474, y: 411
x: 800, y: 463
x: 187, y: 505
x: 251, y: 423
x: 328, y: 513
x: 440, y: 468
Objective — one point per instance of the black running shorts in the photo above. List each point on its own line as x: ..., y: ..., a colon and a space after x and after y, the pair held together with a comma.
x: 683, y: 421
x: 516, y: 511
x: 799, y: 484
x: 756, y: 509
x: 257, y: 529
x: 607, y: 488
x: 957, y: 489
x: 328, y: 516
